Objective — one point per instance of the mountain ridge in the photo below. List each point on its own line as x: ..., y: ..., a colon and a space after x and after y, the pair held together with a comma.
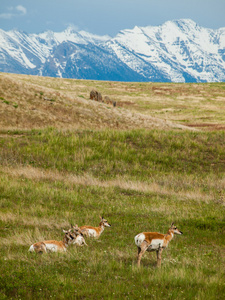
x: 176, y: 51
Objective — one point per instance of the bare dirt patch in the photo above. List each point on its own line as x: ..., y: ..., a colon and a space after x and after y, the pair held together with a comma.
x: 208, y: 126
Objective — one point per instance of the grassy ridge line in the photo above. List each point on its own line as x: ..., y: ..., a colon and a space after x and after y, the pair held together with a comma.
x: 28, y: 105
x: 139, y: 105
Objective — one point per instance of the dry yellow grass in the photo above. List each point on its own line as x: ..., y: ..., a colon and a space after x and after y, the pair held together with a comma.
x: 38, y: 102
x: 170, y: 183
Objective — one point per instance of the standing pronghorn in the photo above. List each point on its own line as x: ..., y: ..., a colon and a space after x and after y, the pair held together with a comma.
x: 95, y: 231
x: 78, y: 236
x: 154, y: 241
x: 52, y: 245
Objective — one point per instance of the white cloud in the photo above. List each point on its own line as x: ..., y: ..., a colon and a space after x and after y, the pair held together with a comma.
x: 19, y: 10
x: 72, y: 26
x: 6, y: 16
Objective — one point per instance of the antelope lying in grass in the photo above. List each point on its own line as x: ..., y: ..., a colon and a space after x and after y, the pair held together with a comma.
x: 95, y: 231
x: 154, y: 241
x: 52, y: 245
x: 78, y: 236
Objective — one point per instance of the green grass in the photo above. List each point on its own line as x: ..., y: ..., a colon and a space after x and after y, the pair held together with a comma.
x: 109, y: 153
x: 140, y: 181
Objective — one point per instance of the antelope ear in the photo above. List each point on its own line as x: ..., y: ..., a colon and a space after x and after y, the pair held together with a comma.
x: 172, y: 224
x: 64, y: 231
x: 100, y: 217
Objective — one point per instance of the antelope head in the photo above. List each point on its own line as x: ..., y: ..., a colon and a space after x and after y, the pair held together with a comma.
x: 104, y: 222
x: 174, y: 229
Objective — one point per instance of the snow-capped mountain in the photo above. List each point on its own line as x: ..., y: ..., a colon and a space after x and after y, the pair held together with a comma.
x: 177, y: 51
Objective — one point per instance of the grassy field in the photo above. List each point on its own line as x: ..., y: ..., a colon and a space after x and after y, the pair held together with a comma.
x: 158, y: 157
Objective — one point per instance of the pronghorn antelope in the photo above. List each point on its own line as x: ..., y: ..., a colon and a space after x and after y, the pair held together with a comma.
x: 52, y: 245
x: 154, y: 241
x: 95, y: 231
x: 78, y: 236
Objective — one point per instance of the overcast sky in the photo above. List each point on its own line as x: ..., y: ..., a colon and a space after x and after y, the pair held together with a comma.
x: 106, y: 16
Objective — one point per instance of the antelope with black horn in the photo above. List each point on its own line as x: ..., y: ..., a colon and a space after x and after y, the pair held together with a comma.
x: 53, y: 245
x: 154, y: 241
x: 91, y: 231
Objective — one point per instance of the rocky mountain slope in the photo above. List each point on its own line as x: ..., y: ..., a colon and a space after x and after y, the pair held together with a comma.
x: 177, y: 51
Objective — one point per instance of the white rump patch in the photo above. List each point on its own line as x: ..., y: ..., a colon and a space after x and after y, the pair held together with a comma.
x: 31, y: 249
x: 139, y: 239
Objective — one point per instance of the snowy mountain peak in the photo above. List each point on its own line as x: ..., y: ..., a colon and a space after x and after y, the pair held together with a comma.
x: 183, y: 23
x: 178, y: 51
